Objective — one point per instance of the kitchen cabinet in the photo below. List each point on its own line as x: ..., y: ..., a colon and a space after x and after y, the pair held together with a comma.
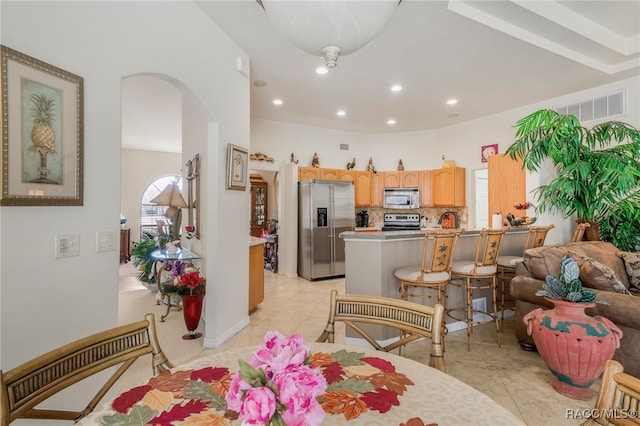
x: 258, y: 204
x: 400, y: 179
x: 448, y: 187
x: 361, y: 185
x: 391, y: 179
x: 424, y: 186
x: 256, y: 275
x: 330, y: 174
x: 377, y: 189
x: 507, y: 185
x: 305, y: 173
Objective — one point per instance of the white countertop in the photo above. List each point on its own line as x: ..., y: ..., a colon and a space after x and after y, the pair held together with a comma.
x: 254, y: 241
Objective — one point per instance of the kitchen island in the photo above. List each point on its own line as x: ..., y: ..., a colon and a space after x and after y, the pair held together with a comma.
x: 372, y: 258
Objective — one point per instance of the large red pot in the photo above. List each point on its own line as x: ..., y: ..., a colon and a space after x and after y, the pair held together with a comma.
x: 574, y: 345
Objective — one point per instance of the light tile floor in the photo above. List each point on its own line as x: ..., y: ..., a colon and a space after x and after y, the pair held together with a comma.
x: 518, y: 380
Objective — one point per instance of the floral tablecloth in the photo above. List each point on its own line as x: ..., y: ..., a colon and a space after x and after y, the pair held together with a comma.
x: 364, y: 387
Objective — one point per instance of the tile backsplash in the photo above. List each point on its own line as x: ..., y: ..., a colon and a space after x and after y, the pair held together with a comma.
x: 376, y: 214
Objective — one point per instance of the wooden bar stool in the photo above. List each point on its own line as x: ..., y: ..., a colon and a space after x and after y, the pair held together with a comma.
x: 578, y: 234
x: 507, y: 264
x: 477, y: 274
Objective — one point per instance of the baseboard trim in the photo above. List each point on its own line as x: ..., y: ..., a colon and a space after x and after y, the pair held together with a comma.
x: 210, y: 343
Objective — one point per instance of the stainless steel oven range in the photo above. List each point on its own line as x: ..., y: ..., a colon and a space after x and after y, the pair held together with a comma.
x: 401, y: 221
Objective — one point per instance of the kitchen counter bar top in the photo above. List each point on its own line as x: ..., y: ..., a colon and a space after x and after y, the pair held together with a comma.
x: 404, y: 235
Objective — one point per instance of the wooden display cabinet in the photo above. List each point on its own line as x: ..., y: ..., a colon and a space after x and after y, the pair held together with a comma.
x: 125, y: 245
x: 258, y: 204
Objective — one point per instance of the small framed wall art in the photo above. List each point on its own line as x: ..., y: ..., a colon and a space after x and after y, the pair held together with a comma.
x: 237, y: 167
x: 42, y: 133
x: 488, y: 150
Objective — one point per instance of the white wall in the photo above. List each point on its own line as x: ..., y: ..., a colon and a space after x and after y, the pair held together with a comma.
x: 139, y: 169
x: 46, y: 302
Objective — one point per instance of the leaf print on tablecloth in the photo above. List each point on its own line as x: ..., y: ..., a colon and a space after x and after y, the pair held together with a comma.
x: 209, y: 374
x: 345, y: 402
x: 222, y: 387
x: 333, y: 373
x: 139, y: 415
x: 320, y: 359
x: 179, y: 412
x: 208, y: 418
x: 171, y: 382
x: 204, y: 392
x: 124, y: 402
x: 158, y: 400
x: 379, y: 363
x: 362, y: 371
x: 348, y: 358
x: 381, y: 400
x: 395, y: 382
x: 352, y: 384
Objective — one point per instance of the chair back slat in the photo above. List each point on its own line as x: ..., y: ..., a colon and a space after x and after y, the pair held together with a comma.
x: 618, y: 399
x: 537, y: 235
x: 443, y: 244
x: 488, y: 246
x: 26, y: 386
x: 413, y: 320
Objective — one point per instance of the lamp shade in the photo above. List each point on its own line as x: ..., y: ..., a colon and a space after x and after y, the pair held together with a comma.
x: 170, y: 196
x: 329, y: 28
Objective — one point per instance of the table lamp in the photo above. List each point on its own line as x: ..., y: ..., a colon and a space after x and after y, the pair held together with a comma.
x: 171, y: 197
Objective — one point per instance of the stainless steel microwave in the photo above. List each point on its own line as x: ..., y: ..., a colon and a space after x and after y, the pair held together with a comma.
x: 401, y: 198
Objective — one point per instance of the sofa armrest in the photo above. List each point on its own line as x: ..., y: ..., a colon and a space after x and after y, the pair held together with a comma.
x: 623, y: 309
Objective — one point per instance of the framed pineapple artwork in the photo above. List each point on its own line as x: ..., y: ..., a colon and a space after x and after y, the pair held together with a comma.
x: 42, y: 133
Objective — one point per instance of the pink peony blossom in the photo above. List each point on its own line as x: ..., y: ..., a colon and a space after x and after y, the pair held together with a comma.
x: 298, y: 388
x: 259, y: 406
x: 279, y: 353
x: 235, y: 394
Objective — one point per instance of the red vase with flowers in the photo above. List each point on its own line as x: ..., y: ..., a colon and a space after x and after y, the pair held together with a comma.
x: 190, y: 286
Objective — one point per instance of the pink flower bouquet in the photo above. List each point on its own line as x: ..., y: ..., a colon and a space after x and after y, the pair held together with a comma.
x: 277, y: 386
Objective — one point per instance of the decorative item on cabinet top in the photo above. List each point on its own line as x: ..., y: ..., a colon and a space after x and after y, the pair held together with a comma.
x: 351, y: 164
x: 258, y: 156
x: 447, y: 163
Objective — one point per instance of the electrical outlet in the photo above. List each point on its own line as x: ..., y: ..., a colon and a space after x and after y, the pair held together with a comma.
x: 67, y: 245
x: 105, y: 241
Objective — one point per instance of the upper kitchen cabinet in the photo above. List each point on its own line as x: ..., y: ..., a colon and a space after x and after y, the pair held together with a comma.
x: 377, y: 189
x: 361, y: 185
x: 424, y: 186
x: 258, y: 204
x: 305, y: 173
x: 408, y: 179
x: 507, y: 185
x: 330, y: 174
x: 448, y: 187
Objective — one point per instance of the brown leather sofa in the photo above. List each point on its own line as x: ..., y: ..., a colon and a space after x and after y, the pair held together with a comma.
x: 623, y: 309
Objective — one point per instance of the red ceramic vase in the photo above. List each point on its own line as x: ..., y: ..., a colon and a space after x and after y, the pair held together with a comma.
x: 574, y: 345
x: 191, y: 310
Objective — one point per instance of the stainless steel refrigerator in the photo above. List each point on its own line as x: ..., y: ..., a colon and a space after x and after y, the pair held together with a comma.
x: 325, y: 209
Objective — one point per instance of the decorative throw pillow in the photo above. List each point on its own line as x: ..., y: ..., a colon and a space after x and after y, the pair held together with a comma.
x: 632, y: 265
x: 597, y: 275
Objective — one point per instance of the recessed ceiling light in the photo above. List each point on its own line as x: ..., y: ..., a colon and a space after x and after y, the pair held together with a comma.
x: 391, y: 122
x: 259, y: 83
x: 452, y: 101
x: 322, y: 70
x: 277, y: 101
x: 396, y: 88
x: 341, y: 113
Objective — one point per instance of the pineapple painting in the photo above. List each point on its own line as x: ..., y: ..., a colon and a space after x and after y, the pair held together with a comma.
x: 40, y: 122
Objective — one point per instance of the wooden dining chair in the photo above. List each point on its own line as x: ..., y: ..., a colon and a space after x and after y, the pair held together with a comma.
x: 478, y: 273
x: 415, y: 321
x: 618, y: 399
x: 507, y: 264
x: 578, y: 233
x: 429, y: 280
x: 24, y: 387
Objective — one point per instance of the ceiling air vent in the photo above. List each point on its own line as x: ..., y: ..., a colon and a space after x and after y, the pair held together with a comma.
x: 599, y: 108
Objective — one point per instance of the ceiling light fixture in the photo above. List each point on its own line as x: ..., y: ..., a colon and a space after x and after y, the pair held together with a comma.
x: 277, y: 101
x: 396, y: 88
x: 391, y: 122
x: 322, y: 70
x: 452, y: 101
x: 329, y: 28
x: 341, y: 113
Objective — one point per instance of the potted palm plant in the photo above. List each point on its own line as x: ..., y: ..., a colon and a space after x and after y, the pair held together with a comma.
x: 574, y: 345
x: 597, y: 172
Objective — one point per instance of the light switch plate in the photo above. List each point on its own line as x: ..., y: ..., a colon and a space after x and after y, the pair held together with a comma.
x: 67, y: 245
x: 105, y: 241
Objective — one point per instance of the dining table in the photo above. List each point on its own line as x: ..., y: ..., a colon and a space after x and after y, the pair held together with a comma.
x: 364, y: 387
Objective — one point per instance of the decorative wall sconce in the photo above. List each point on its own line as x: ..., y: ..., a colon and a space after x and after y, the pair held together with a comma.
x: 193, y: 197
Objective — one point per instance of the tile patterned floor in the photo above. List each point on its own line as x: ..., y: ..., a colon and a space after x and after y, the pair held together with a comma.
x: 518, y: 380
